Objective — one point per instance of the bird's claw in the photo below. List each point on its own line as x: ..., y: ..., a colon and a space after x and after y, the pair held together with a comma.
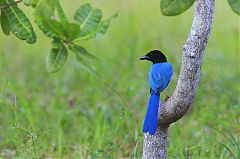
x: 166, y: 96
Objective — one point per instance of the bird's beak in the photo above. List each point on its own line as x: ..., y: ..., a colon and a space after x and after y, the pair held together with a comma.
x: 144, y: 57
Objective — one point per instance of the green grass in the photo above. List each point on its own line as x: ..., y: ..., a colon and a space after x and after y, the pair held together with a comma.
x: 73, y: 114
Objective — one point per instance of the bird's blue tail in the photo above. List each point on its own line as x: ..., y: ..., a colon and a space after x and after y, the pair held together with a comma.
x: 150, y: 121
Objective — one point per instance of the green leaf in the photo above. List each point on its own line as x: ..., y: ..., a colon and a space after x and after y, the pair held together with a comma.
x: 19, y: 23
x: 88, y: 18
x: 72, y: 30
x: 79, y: 51
x: 51, y: 28
x: 54, y: 29
x: 175, y: 7
x: 61, y: 14
x: 57, y: 57
x: 5, y: 24
x: 235, y: 5
x: 45, y: 9
x: 32, y: 3
x: 104, y: 25
x: 100, y: 30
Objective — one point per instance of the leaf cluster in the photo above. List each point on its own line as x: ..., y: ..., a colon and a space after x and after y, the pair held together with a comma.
x: 88, y: 24
x: 14, y: 20
x: 66, y: 35
x: 53, y: 22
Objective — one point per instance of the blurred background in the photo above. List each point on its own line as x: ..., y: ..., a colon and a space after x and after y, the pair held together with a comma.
x: 74, y: 114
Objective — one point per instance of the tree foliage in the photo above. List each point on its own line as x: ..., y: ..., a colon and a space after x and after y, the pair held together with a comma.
x: 18, y: 22
x: 176, y: 7
x: 88, y: 24
x: 52, y: 21
x: 235, y: 5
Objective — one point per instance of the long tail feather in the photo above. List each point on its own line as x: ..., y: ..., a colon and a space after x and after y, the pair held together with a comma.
x: 154, y: 114
x: 147, y: 116
x: 150, y: 121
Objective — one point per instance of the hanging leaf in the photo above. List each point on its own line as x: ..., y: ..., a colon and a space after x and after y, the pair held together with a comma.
x: 19, y: 23
x: 51, y: 28
x: 5, y: 24
x: 80, y: 51
x: 100, y: 30
x: 88, y: 18
x: 45, y: 9
x: 57, y: 57
x: 32, y: 3
x: 235, y: 5
x: 175, y: 7
x: 104, y: 25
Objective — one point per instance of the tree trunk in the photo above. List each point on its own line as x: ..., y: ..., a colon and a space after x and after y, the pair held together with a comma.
x: 155, y: 145
x: 176, y: 106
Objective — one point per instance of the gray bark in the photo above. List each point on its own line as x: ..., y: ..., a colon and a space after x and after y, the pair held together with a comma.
x: 177, y: 105
x: 155, y: 145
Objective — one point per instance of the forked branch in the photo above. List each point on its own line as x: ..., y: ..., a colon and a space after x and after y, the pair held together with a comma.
x: 193, y: 50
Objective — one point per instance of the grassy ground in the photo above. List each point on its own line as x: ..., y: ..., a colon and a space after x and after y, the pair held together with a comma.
x: 73, y: 114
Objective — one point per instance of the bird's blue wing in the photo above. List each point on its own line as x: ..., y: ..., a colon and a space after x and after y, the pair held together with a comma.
x: 166, y: 76
x: 155, y: 80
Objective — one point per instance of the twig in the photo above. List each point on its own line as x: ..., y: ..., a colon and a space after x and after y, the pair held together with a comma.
x: 31, y: 135
x: 33, y: 144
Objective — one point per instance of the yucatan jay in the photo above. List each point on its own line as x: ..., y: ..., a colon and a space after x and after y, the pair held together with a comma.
x: 159, y: 76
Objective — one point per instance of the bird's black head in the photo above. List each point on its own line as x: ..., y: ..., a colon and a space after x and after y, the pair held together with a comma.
x: 154, y: 56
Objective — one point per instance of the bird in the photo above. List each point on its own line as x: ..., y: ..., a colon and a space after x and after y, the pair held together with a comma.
x: 159, y: 77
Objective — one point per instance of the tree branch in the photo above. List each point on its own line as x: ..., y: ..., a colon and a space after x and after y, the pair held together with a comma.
x: 193, y: 50
x: 177, y: 105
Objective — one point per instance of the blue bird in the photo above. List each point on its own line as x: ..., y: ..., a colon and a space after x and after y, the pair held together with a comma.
x: 159, y: 77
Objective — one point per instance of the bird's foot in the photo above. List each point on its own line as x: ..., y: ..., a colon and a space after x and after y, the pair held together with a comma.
x: 166, y: 96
